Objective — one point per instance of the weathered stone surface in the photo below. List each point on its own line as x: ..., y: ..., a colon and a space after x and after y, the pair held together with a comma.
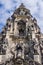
x: 21, y: 40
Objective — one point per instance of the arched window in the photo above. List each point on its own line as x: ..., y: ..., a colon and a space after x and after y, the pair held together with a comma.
x: 21, y: 28
x: 19, y: 50
x: 18, y: 47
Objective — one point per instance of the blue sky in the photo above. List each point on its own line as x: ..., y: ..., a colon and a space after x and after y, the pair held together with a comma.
x: 7, y: 8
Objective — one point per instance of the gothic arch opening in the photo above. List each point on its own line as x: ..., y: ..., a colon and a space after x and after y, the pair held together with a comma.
x: 21, y: 27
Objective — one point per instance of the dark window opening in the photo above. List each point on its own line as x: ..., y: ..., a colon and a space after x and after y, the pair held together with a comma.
x: 21, y: 22
x: 42, y: 41
x: 9, y: 26
x: 19, y: 50
x: 28, y: 29
x: 6, y: 24
x: 18, y: 47
x: 35, y: 52
x: 26, y: 13
x: 22, y: 27
x: 2, y: 32
x: 32, y: 26
x: 38, y: 32
x: 2, y: 50
x: 21, y: 32
x: 35, y: 24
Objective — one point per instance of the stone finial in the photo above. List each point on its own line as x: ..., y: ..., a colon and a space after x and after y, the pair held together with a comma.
x: 22, y: 5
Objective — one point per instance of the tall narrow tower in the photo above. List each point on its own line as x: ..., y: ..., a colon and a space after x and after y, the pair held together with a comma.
x: 21, y: 39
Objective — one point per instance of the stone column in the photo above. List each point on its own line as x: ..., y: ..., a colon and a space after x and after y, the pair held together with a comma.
x: 16, y: 32
x: 11, y: 31
x: 37, y: 57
